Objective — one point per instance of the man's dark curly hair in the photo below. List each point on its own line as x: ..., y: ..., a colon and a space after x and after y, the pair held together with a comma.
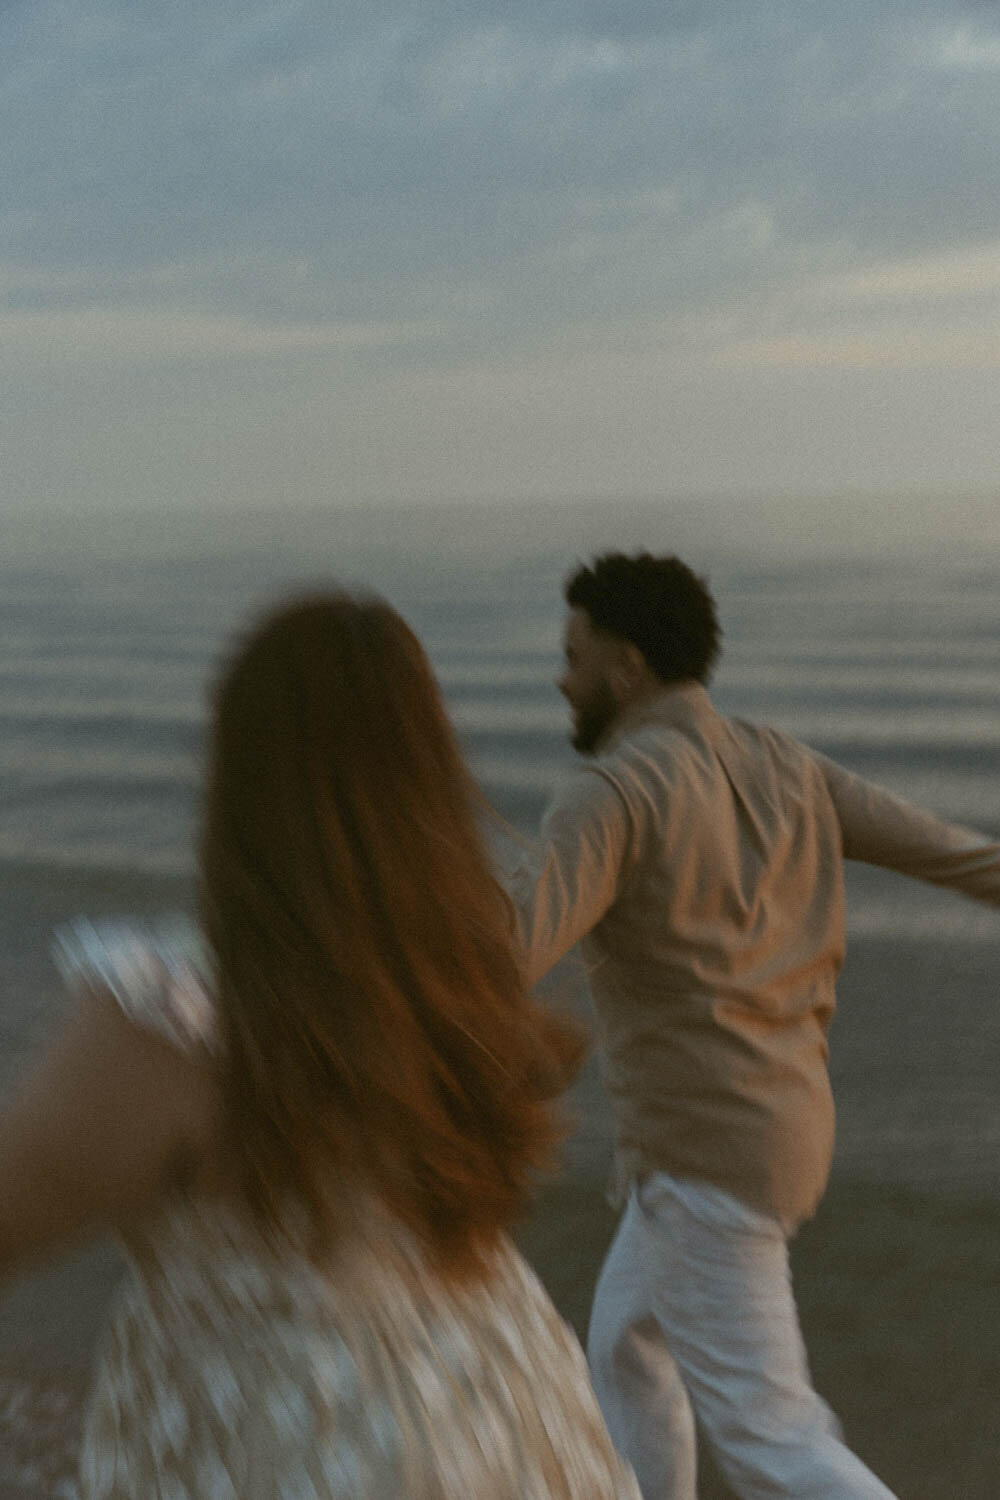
x: 658, y: 604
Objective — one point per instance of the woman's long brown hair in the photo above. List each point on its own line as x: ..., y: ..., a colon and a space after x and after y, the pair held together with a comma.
x: 376, y: 1027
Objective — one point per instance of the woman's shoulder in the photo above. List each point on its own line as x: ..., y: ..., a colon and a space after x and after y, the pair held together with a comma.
x: 158, y: 969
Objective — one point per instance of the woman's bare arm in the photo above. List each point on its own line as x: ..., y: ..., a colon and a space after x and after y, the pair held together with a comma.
x: 96, y: 1131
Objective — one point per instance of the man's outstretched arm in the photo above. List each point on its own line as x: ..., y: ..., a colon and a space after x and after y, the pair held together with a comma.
x: 566, y: 884
x: 881, y: 829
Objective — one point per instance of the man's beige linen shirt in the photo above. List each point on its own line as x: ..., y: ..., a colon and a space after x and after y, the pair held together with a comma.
x: 700, y: 862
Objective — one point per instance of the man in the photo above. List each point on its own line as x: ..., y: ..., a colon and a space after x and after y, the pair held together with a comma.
x: 700, y: 861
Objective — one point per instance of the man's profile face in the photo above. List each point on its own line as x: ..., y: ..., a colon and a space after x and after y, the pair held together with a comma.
x: 586, y: 680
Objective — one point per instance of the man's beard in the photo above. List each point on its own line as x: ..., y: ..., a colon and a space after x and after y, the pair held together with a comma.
x: 593, y: 718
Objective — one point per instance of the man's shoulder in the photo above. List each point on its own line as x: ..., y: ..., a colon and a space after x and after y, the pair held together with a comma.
x: 653, y: 748
x: 772, y: 740
x: 652, y: 737
x: 645, y: 763
x: 664, y: 753
x: 588, y: 783
x: 757, y: 732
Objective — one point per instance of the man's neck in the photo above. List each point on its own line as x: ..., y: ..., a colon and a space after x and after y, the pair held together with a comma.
x: 649, y: 699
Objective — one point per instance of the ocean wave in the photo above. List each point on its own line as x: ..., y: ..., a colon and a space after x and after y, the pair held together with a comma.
x: 89, y: 722
x: 953, y: 741
x: 860, y: 685
x: 94, y: 793
x: 50, y: 865
x: 516, y: 718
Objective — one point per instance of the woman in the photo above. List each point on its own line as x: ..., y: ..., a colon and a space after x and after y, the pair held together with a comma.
x: 312, y: 1125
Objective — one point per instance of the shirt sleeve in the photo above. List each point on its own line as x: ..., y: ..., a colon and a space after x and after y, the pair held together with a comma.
x: 881, y: 829
x: 157, y: 971
x: 563, y: 888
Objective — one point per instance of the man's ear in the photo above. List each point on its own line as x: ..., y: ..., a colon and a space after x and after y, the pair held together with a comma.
x: 630, y: 671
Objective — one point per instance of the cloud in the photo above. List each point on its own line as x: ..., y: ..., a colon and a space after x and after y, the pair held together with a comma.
x: 431, y: 190
x: 970, y: 271
x: 970, y: 351
x: 163, y: 333
x: 968, y: 47
x: 396, y: 149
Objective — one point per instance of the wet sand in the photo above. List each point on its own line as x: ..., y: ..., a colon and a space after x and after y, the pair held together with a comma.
x: 897, y: 1278
x: 899, y: 1296
x: 898, y: 1290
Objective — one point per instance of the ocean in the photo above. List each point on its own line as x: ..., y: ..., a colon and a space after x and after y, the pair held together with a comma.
x: 888, y: 661
x: 874, y: 636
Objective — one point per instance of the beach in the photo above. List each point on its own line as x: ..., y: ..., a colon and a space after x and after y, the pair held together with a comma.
x: 897, y: 1277
x: 887, y: 664
x: 897, y: 1289
x: 898, y: 1293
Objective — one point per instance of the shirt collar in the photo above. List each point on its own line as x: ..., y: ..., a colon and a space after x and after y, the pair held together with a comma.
x: 678, y: 705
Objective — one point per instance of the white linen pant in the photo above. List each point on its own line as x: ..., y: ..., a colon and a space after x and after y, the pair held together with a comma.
x: 694, y: 1317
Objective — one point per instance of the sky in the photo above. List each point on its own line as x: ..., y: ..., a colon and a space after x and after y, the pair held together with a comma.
x: 257, y: 253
